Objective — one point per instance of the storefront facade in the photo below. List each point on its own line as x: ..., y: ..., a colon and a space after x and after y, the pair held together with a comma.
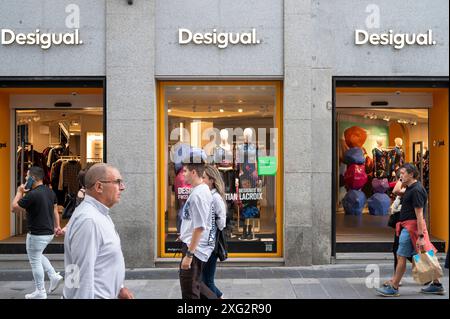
x: 170, y: 67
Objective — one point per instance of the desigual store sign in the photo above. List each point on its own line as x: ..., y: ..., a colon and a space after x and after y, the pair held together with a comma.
x: 42, y: 39
x: 396, y: 40
x: 220, y: 39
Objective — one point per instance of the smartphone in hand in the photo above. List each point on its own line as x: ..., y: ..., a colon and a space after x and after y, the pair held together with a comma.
x: 29, y: 183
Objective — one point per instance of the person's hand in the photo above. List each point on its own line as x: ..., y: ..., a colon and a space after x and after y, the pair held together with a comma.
x: 57, y: 231
x: 186, y: 263
x: 63, y: 231
x: 125, y: 293
x: 420, y: 244
x: 21, y: 189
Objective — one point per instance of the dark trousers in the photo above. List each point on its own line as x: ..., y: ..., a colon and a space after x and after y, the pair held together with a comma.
x: 192, y: 286
x: 209, y: 271
x: 394, y: 251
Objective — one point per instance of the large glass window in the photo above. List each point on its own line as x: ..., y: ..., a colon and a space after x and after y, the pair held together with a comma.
x: 236, y: 125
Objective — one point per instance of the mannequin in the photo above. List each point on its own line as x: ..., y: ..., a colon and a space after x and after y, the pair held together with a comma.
x: 396, y: 158
x: 223, y: 155
x: 247, y: 157
x: 223, y: 159
x: 380, y: 160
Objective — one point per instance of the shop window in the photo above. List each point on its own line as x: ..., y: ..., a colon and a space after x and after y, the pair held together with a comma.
x: 237, y: 127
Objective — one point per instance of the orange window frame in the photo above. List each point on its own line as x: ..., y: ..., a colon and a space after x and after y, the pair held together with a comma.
x: 162, y: 168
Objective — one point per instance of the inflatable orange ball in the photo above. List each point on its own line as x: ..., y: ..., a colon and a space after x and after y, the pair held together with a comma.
x: 355, y: 136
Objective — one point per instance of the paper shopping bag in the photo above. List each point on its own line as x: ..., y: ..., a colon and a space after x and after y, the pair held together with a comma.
x: 426, y: 267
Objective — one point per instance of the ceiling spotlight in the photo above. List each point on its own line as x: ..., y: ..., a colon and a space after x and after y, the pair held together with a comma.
x: 221, y: 110
x: 169, y: 110
x: 240, y: 110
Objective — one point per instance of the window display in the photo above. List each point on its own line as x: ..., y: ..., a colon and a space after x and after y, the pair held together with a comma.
x: 373, y: 145
x: 236, y: 125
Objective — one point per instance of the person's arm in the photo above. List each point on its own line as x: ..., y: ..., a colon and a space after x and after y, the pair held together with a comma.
x: 420, y: 229
x: 419, y: 201
x: 221, y: 211
x: 84, y: 247
x: 196, y: 236
x: 399, y: 190
x: 15, y: 207
x: 57, y: 223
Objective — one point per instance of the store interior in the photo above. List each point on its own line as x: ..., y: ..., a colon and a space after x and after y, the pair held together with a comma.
x: 61, y: 132
x: 377, y: 132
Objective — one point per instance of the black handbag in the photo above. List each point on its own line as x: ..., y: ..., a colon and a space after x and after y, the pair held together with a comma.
x: 394, y: 219
x: 69, y: 206
x: 221, y: 248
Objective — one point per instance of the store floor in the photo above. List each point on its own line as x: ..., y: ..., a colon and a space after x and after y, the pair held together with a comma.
x: 365, y: 228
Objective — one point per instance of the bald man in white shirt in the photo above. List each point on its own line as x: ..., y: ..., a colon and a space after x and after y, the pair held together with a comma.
x: 94, y: 263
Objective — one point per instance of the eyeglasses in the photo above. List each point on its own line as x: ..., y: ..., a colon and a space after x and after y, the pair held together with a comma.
x: 119, y: 182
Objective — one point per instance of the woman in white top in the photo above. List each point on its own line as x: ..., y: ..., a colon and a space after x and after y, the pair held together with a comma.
x: 213, y: 179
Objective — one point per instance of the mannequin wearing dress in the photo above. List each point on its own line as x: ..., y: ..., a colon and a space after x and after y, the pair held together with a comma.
x: 223, y: 159
x: 380, y: 163
x: 396, y: 158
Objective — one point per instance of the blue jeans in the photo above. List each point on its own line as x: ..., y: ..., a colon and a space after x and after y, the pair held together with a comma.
x: 35, y: 248
x: 208, y: 273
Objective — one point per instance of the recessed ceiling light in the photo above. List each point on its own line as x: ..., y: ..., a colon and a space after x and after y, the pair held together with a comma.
x: 221, y: 110
x: 240, y: 110
x: 169, y: 110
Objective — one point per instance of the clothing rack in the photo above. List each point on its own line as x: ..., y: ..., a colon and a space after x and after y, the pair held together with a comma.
x: 70, y: 157
x: 94, y: 160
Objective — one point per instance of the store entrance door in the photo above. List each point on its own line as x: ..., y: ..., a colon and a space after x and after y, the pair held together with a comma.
x: 57, y: 125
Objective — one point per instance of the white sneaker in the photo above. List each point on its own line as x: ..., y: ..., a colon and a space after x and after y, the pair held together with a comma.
x: 55, y: 281
x: 37, y: 294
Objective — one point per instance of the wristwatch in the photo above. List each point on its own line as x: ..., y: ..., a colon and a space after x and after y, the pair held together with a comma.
x: 189, y: 254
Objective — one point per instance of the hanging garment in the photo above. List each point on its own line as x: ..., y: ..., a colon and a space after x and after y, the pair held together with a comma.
x: 70, y: 176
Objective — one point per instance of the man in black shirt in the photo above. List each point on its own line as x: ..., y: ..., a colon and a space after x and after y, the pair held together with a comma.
x: 40, y: 204
x: 414, y: 202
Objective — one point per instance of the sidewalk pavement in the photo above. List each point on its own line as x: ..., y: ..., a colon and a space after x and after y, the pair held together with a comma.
x: 315, y: 282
